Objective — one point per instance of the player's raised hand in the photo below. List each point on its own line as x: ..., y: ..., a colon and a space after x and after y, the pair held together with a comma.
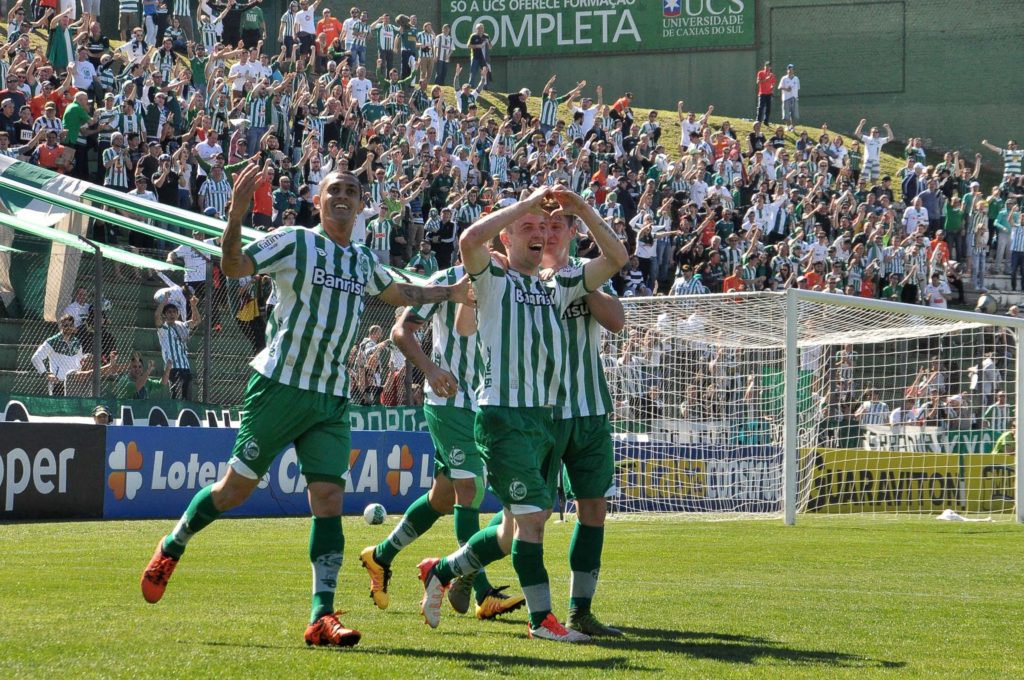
x: 243, y: 189
x: 569, y: 202
x: 536, y: 200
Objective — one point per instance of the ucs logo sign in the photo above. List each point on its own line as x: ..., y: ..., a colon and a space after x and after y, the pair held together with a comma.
x: 125, y: 478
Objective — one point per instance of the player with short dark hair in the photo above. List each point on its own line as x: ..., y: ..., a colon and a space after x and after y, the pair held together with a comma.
x: 299, y: 390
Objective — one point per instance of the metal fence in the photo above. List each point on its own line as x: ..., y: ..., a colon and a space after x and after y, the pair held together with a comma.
x: 39, y: 284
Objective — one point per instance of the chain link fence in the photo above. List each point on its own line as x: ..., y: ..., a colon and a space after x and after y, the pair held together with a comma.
x: 41, y: 283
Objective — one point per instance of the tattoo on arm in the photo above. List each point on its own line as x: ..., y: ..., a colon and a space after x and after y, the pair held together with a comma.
x: 419, y: 295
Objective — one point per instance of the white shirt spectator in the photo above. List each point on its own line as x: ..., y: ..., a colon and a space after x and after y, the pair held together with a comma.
x: 914, y: 216
x: 80, y: 311
x: 791, y: 82
x: 872, y: 146
x: 84, y: 74
x: 305, y: 20
x: 935, y: 296
x: 359, y: 226
x: 240, y: 74
x: 195, y: 262
x: 207, y: 151
x: 359, y: 89
x: 588, y: 117
x: 63, y: 356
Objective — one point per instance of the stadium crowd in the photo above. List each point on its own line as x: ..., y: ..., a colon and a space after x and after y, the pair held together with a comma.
x: 191, y: 96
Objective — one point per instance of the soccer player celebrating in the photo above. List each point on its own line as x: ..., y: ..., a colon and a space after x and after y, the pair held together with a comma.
x: 524, y: 346
x: 450, y: 406
x: 583, y: 437
x: 299, y: 391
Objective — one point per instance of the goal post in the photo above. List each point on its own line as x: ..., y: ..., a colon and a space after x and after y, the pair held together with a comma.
x: 774, y: 404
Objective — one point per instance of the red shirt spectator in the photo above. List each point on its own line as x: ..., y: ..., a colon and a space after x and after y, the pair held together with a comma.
x: 330, y: 27
x: 765, y: 80
x: 262, y: 202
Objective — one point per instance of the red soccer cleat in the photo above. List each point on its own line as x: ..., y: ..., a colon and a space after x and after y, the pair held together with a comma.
x: 157, y: 573
x: 328, y: 631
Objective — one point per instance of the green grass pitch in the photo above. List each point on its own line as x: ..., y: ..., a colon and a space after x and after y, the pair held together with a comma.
x: 829, y: 598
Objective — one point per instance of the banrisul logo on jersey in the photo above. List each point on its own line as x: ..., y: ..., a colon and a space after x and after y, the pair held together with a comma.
x: 155, y: 472
x: 340, y: 283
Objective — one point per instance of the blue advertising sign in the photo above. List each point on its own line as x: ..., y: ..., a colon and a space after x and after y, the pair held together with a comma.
x: 666, y: 477
x: 154, y: 472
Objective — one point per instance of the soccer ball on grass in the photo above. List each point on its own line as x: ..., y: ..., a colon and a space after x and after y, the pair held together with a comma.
x: 375, y: 514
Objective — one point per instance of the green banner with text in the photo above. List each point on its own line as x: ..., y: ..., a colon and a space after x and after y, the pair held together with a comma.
x: 538, y: 27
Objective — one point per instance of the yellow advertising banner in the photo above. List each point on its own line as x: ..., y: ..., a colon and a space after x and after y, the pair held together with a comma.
x: 859, y: 480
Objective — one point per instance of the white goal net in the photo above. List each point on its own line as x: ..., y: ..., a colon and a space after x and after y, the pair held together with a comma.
x: 890, y: 408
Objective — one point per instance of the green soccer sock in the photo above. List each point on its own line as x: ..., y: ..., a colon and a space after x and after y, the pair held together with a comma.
x: 528, y: 561
x: 498, y: 518
x: 416, y: 521
x: 200, y: 513
x: 585, y: 565
x: 467, y: 523
x: 326, y: 548
x: 480, y: 550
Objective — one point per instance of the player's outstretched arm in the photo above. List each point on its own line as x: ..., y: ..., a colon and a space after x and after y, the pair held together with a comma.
x: 233, y: 261
x: 402, y: 294
x: 474, y: 241
x: 403, y: 334
x: 613, y: 255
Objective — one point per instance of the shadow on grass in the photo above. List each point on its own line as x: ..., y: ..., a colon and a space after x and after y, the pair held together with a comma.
x: 734, y: 649
x: 490, y: 662
x: 241, y: 645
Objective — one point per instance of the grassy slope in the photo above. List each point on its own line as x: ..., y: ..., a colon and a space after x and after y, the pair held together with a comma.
x: 837, y: 598
x: 892, y: 156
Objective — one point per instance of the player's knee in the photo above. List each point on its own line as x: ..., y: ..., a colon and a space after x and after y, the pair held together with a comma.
x: 232, y: 491
x: 591, y: 511
x: 469, y: 492
x: 530, y: 526
x: 325, y: 498
x: 442, y: 495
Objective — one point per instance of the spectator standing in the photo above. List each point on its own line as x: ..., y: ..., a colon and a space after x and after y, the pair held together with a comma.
x: 305, y: 27
x: 63, y: 353
x: 479, y: 50
x: 1007, y: 218
x: 790, y: 88
x: 173, y: 335
x: 873, y: 144
x: 443, y: 48
x: 1012, y: 157
x: 253, y: 26
x: 1017, y: 255
x: 765, y: 86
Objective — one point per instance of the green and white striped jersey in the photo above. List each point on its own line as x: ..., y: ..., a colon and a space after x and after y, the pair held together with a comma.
x: 458, y: 355
x: 321, y: 297
x: 583, y: 390
x: 521, y: 336
x: 174, y: 344
x: 549, y: 109
x: 257, y: 109
x: 378, y: 232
